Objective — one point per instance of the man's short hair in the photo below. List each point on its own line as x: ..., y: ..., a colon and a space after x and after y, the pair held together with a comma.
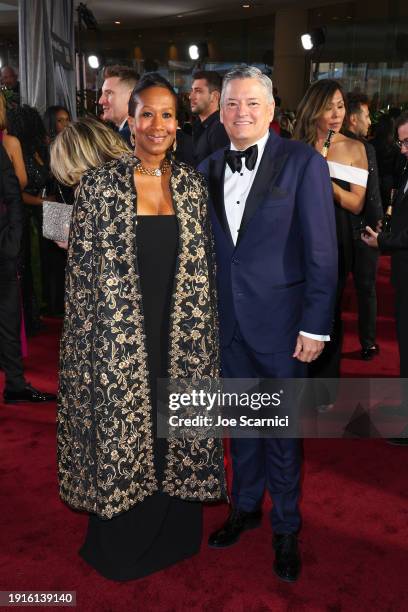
x: 248, y: 72
x: 214, y: 80
x: 354, y: 101
x: 125, y: 74
x: 402, y: 120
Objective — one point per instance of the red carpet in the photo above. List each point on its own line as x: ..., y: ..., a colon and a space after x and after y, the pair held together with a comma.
x: 354, y: 539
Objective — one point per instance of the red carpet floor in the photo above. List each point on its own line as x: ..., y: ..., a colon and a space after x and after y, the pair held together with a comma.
x: 355, y: 511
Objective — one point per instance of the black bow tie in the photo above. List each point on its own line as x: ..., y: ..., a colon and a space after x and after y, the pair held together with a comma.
x: 234, y: 158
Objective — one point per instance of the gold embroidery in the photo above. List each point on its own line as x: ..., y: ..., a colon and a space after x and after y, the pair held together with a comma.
x: 105, y: 444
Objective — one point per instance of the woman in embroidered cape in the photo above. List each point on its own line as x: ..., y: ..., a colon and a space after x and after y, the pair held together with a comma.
x: 110, y: 461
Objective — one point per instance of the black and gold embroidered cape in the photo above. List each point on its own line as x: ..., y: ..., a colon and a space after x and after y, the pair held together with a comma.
x: 105, y: 451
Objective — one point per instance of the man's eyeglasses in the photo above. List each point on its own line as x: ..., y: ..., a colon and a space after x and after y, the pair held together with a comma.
x: 402, y: 143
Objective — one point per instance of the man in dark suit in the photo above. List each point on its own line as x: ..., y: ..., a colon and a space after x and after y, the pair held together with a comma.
x: 209, y: 134
x: 365, y: 260
x: 273, y: 221
x: 396, y: 242
x: 11, y: 227
x: 118, y: 84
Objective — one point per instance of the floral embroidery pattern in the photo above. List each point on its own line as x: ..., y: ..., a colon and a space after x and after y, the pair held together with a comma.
x: 105, y: 440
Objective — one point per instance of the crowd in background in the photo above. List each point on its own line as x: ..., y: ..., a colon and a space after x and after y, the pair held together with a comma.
x: 27, y: 138
x: 42, y: 263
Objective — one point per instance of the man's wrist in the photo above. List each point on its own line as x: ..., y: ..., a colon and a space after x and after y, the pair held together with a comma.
x: 320, y: 337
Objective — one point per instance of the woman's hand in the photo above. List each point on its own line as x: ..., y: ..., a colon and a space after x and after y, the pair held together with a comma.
x: 62, y: 245
x: 370, y: 237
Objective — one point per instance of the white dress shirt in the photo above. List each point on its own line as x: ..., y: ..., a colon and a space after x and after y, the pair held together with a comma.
x: 237, y: 186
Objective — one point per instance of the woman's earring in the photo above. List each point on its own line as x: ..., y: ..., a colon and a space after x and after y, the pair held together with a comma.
x: 132, y: 139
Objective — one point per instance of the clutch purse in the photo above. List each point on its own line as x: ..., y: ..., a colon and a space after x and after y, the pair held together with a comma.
x: 56, y: 221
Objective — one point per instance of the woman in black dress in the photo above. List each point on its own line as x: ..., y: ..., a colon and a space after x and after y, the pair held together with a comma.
x: 323, y: 109
x: 140, y: 305
x: 25, y: 123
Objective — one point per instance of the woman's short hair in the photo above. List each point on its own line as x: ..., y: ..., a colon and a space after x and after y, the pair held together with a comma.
x: 50, y: 119
x: 312, y: 106
x: 84, y: 144
x: 148, y: 80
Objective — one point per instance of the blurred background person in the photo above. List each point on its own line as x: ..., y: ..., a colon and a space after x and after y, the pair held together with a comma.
x: 388, y: 157
x: 26, y: 124
x: 118, y: 84
x: 323, y: 108
x: 56, y: 119
x: 17, y: 389
x: 83, y: 145
x: 396, y: 243
x: 9, y: 81
x: 286, y: 125
x: 365, y: 260
x: 209, y: 134
x: 12, y: 146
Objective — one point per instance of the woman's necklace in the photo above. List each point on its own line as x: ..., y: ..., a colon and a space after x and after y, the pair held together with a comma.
x: 164, y: 167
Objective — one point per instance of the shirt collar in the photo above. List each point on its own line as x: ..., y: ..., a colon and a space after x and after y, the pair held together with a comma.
x: 261, y: 143
x: 122, y: 125
x: 210, y: 119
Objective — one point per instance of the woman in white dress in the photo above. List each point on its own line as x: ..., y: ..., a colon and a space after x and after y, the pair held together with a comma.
x: 320, y: 117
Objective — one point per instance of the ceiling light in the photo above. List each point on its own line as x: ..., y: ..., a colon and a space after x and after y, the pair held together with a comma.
x: 246, y: 6
x: 93, y: 61
x: 306, y: 42
x: 313, y: 39
x: 117, y: 22
x: 193, y: 52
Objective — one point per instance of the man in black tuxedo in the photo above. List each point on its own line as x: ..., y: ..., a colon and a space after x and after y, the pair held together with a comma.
x: 116, y: 89
x: 365, y: 260
x: 396, y: 242
x: 209, y: 134
x: 11, y: 227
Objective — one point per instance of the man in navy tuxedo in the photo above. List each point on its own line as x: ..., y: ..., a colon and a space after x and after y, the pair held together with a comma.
x: 274, y: 228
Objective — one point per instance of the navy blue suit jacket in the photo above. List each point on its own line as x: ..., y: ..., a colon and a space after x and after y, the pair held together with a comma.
x: 281, y: 276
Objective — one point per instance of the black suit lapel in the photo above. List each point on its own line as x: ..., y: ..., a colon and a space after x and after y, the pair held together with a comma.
x: 216, y: 187
x: 401, y: 196
x: 266, y: 176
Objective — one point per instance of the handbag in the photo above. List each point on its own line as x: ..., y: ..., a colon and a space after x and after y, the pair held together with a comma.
x: 56, y: 220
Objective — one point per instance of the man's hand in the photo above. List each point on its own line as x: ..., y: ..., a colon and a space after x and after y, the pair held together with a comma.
x: 307, y: 349
x: 370, y: 237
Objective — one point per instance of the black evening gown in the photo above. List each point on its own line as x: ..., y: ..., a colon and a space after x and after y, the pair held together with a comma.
x: 161, y: 530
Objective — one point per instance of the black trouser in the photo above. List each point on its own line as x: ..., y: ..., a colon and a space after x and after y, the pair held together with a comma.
x: 10, y: 327
x: 365, y: 264
x: 401, y: 316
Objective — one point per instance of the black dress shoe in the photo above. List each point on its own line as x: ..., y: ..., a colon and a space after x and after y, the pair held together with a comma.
x: 287, y: 558
x: 368, y: 353
x: 237, y: 522
x: 28, y: 394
